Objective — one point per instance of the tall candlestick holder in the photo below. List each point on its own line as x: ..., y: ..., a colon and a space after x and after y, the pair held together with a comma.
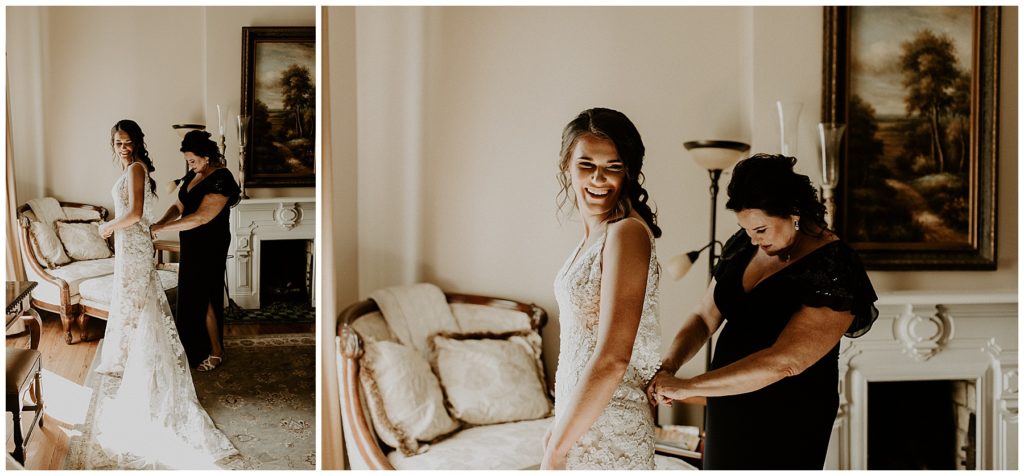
x: 830, y: 134
x: 243, y: 140
x: 222, y: 111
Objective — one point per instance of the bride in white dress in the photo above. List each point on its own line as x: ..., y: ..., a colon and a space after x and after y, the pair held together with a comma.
x: 607, y: 293
x: 154, y: 419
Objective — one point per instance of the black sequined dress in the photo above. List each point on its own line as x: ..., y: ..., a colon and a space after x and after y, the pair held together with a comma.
x: 785, y: 425
x: 204, y: 251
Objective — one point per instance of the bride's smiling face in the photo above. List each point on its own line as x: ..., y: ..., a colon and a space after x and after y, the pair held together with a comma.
x: 596, y: 174
x: 123, y: 147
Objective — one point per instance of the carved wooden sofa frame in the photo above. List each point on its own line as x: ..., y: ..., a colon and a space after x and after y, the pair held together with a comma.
x: 361, y: 440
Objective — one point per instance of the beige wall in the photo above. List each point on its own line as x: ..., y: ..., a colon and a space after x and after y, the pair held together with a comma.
x: 340, y: 273
x: 460, y: 110
x: 74, y: 71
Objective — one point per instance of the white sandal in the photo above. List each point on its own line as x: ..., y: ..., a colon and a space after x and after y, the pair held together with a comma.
x: 208, y: 364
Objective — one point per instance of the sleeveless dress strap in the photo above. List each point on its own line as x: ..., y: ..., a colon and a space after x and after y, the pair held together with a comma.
x: 642, y: 222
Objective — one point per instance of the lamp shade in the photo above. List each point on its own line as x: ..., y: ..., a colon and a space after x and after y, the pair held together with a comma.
x: 183, y: 129
x: 679, y: 265
x: 716, y: 154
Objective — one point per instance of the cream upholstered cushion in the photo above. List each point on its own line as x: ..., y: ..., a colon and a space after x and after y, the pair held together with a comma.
x: 82, y: 239
x: 47, y: 246
x: 74, y: 273
x: 405, y: 399
x: 508, y: 446
x: 97, y: 291
x: 491, y: 447
x: 481, y: 318
x: 492, y: 378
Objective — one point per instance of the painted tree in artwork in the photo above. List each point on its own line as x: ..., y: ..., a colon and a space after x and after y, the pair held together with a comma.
x: 263, y: 138
x: 959, y: 128
x: 930, y: 76
x: 864, y: 144
x: 299, y: 96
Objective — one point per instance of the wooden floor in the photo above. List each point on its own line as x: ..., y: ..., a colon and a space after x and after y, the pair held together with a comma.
x: 64, y: 371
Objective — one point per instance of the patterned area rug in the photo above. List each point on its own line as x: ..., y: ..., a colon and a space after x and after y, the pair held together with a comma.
x: 263, y: 397
x: 281, y: 312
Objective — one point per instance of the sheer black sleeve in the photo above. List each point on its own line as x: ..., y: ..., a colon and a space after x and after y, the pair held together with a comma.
x: 222, y: 182
x: 835, y: 278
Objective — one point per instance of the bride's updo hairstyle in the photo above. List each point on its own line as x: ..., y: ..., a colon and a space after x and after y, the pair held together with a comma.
x: 199, y: 143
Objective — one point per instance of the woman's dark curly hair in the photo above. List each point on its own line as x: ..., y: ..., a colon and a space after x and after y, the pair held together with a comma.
x: 199, y: 143
x: 139, y: 151
x: 767, y: 182
x: 616, y: 127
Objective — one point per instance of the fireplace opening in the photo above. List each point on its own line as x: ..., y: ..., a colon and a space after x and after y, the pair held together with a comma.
x: 928, y: 424
x: 286, y: 273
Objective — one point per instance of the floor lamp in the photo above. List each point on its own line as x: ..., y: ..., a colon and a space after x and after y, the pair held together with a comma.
x: 715, y: 156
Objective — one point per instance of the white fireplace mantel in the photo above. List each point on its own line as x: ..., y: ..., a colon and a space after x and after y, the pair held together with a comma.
x: 934, y: 336
x: 260, y: 219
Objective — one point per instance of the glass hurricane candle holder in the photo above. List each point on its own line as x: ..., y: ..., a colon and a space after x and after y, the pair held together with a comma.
x: 830, y: 134
x: 789, y: 122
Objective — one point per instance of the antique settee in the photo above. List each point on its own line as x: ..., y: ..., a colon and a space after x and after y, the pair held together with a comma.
x: 76, y: 289
x: 473, y: 442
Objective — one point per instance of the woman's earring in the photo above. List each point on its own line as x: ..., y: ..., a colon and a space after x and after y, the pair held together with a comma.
x: 796, y: 225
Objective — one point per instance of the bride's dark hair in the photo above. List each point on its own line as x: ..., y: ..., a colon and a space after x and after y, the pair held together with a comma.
x: 139, y: 151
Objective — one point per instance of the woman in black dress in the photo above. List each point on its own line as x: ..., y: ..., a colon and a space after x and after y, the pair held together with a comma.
x: 207, y: 192
x: 787, y: 290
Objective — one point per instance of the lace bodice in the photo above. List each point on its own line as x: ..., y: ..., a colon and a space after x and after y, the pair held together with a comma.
x: 623, y: 436
x: 121, y: 200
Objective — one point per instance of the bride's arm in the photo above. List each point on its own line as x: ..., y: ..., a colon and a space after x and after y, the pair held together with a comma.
x: 626, y: 259
x: 136, y: 196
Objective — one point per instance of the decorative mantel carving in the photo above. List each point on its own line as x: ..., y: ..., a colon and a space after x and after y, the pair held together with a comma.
x: 287, y: 215
x: 1009, y: 397
x: 923, y: 336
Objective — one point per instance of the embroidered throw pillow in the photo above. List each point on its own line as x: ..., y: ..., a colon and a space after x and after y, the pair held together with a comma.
x: 82, y: 239
x: 47, y: 246
x: 405, y: 399
x: 492, y: 378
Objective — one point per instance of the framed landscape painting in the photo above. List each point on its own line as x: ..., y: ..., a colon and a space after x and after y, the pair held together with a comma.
x: 917, y: 88
x: 279, y: 96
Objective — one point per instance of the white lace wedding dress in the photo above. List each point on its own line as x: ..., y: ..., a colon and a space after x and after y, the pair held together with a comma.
x: 154, y: 419
x: 623, y: 436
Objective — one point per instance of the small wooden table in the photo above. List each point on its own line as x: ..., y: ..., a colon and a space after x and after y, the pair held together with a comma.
x: 19, y: 308
x: 160, y: 246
